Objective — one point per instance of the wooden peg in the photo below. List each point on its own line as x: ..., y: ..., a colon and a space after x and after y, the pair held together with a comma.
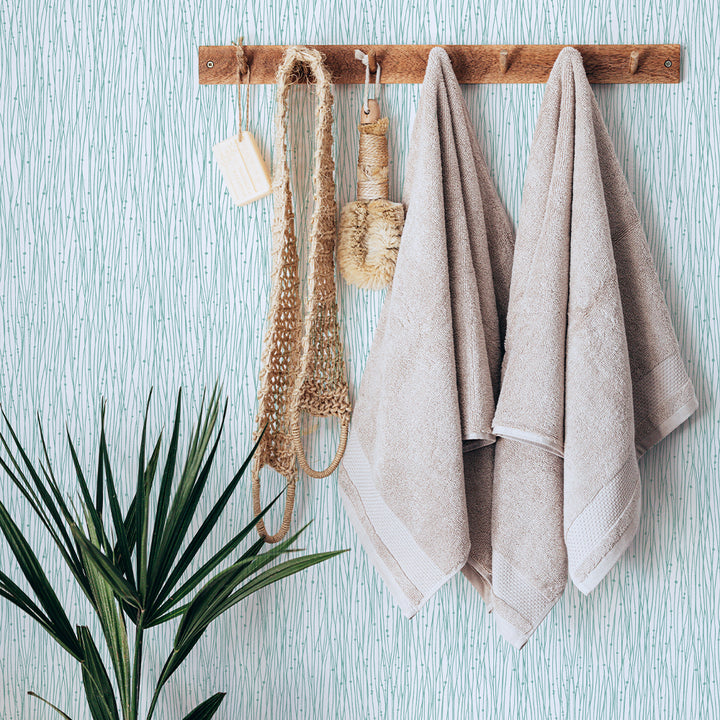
x: 503, y: 61
x: 371, y: 61
x: 634, y: 61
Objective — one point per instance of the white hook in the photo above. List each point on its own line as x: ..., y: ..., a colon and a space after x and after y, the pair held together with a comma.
x: 360, y: 55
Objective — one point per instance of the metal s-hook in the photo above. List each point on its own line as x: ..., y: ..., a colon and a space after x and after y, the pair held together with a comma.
x: 365, y: 59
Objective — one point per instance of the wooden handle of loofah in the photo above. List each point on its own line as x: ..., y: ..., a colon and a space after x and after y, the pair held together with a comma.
x: 300, y: 452
x: 372, y: 166
x: 373, y: 113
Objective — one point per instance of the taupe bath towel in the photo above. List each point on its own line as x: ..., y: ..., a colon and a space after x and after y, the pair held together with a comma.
x: 592, y: 375
x: 431, y: 380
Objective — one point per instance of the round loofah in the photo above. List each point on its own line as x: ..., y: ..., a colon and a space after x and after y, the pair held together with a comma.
x: 368, y: 242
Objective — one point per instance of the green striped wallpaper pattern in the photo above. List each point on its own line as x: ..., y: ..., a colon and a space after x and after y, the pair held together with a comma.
x: 124, y: 266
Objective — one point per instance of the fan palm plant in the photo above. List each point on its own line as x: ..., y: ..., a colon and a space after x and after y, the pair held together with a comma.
x: 133, y: 565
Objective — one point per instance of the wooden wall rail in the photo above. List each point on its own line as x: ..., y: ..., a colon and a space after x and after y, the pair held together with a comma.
x: 472, y: 63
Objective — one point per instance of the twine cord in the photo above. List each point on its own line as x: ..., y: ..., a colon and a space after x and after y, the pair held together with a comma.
x: 243, y: 69
x: 372, y: 167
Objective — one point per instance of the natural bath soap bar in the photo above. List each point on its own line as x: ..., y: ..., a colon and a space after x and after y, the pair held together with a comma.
x: 243, y: 168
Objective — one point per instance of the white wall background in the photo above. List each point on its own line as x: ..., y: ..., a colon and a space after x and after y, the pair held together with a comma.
x: 124, y: 266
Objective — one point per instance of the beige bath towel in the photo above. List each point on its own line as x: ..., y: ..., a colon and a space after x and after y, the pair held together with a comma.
x: 431, y: 379
x: 592, y: 375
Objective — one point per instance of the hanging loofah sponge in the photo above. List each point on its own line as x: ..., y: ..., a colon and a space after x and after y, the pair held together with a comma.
x: 370, y: 233
x: 371, y: 226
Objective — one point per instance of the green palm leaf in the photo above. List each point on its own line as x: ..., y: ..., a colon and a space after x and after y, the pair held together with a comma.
x: 41, y: 500
x: 217, y: 596
x: 113, y: 626
x: 94, y: 517
x: 122, y: 588
x: 131, y: 514
x: 189, y: 585
x: 66, y: 548
x: 49, y: 704
x: 58, y: 624
x: 59, y: 504
x: 17, y: 596
x: 141, y: 509
x: 98, y: 689
x: 165, y: 490
x: 187, y: 496
x: 138, y: 564
x: 205, y: 710
x: 202, y: 534
x: 124, y: 555
x: 146, y: 475
x: 165, y: 612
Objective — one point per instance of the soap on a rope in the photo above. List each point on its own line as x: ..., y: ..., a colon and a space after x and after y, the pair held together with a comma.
x: 243, y: 168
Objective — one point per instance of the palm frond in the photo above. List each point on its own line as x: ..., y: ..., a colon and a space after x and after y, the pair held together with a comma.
x: 139, y: 564
x: 98, y: 688
x: 165, y: 491
x: 187, y: 497
x: 49, y: 704
x: 112, y: 622
x: 205, y: 710
x: 124, y: 558
x: 58, y: 624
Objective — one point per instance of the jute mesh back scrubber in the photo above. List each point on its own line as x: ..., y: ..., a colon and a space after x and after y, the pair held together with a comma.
x: 302, y: 361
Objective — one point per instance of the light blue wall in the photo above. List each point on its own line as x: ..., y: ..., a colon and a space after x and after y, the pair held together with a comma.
x: 124, y: 266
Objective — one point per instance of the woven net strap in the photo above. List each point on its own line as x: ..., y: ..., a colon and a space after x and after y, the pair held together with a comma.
x: 321, y: 387
x: 258, y: 507
x: 332, y: 467
x: 289, y: 359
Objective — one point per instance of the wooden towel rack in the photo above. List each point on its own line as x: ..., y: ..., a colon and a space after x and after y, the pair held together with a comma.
x: 472, y: 63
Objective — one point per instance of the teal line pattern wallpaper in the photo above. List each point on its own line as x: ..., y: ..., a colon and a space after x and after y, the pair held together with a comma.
x: 124, y: 266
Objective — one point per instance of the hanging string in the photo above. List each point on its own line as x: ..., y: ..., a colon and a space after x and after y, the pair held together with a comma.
x: 243, y: 69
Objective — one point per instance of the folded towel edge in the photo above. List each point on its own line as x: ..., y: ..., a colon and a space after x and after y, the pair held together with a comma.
x: 509, y: 632
x: 481, y: 579
x: 418, y: 570
x: 517, y: 624
x: 586, y: 582
x: 668, y: 425
x: 477, y: 440
x: 597, y: 575
x: 408, y: 607
x: 530, y: 437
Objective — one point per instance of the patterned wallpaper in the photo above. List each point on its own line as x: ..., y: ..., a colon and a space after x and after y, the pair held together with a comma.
x: 125, y: 267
